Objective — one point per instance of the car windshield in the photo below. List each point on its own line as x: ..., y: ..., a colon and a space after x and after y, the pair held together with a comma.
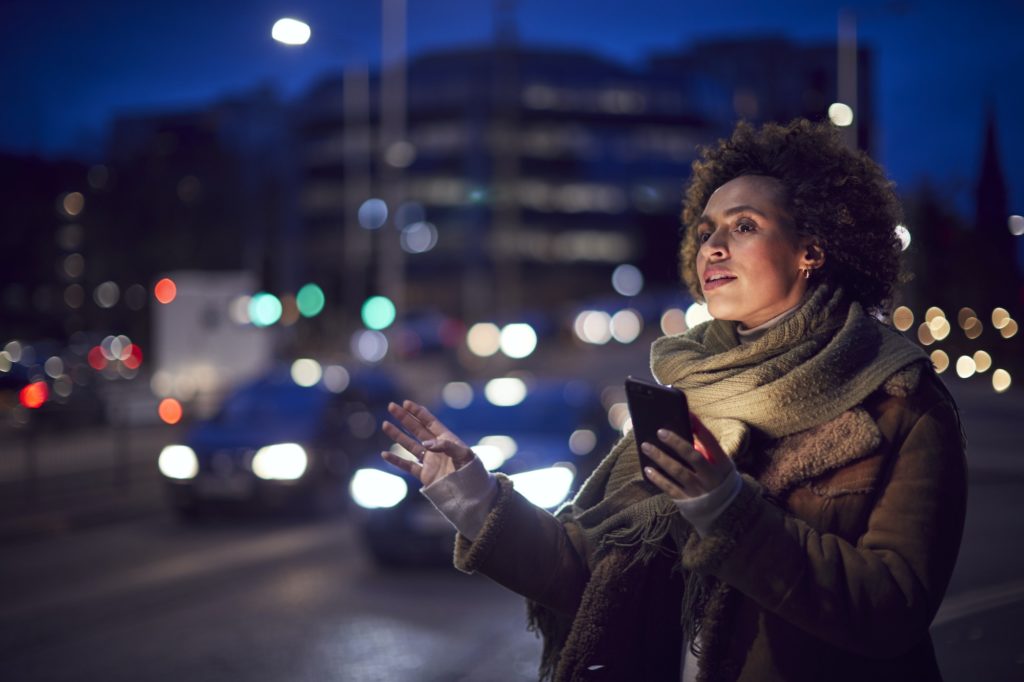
x: 271, y: 403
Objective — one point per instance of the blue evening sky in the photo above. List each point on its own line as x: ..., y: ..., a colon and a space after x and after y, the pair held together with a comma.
x: 68, y: 67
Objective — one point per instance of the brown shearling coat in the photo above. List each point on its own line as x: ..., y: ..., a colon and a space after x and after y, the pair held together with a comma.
x: 834, y: 557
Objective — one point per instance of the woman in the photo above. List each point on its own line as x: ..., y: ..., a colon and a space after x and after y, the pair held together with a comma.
x: 810, y: 530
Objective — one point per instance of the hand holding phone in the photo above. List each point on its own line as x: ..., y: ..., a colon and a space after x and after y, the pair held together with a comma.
x: 652, y: 407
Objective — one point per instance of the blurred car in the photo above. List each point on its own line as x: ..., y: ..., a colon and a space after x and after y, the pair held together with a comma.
x: 277, y: 444
x: 548, y: 437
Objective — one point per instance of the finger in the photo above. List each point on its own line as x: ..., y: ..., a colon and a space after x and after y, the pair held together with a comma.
x: 409, y: 421
x: 683, y: 448
x: 405, y: 465
x: 666, y: 486
x: 396, y: 434
x: 425, y: 417
x: 673, y: 468
x: 459, y: 453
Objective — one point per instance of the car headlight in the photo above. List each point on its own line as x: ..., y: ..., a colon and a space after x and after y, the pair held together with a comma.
x: 544, y: 487
x: 178, y: 462
x: 280, y: 462
x: 376, y: 489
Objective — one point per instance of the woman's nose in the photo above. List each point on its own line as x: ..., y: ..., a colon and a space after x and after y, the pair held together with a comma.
x: 714, y: 245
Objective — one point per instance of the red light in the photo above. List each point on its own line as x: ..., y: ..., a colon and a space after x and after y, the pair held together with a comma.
x: 96, y: 359
x: 169, y: 410
x: 165, y: 290
x: 34, y: 395
x: 133, y: 357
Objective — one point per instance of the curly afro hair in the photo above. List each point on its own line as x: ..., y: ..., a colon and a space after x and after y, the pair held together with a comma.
x: 838, y: 197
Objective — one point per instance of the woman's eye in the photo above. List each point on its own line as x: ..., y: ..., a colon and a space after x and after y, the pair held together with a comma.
x: 746, y: 227
x: 703, y: 236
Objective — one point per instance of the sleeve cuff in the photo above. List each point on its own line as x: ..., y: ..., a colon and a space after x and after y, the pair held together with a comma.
x: 464, y: 497
x: 702, y: 511
x: 705, y: 554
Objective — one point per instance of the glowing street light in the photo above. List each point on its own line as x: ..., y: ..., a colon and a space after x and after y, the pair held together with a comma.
x: 290, y: 31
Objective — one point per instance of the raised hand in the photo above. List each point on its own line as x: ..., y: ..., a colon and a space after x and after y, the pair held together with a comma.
x: 438, y: 451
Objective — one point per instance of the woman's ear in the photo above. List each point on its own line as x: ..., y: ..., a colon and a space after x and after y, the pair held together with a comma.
x: 813, y: 256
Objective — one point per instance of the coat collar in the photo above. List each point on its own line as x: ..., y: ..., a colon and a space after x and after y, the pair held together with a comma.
x: 808, y: 454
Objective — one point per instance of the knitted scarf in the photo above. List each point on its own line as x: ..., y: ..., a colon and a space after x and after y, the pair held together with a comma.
x: 810, y: 368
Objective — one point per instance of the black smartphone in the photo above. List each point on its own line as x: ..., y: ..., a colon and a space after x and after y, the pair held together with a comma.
x: 652, y: 407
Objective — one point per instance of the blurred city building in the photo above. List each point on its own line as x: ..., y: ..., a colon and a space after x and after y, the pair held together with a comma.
x: 528, y: 174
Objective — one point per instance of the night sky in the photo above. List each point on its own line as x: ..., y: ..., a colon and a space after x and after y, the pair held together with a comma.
x: 68, y: 67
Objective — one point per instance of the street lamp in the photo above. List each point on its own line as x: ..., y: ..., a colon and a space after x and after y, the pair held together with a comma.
x: 291, y: 31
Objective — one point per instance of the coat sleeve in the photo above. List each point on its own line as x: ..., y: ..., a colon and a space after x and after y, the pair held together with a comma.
x: 528, y: 550
x: 878, y: 596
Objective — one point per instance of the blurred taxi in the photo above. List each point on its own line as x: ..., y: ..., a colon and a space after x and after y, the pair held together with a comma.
x: 548, y: 436
x: 276, y: 443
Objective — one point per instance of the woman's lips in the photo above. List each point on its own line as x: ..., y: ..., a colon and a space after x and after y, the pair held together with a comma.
x: 708, y: 286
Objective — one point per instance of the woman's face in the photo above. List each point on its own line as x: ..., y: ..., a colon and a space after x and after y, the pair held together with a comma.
x: 750, y: 258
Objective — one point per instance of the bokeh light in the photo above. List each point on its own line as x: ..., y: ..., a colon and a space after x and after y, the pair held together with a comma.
x: 13, y: 350
x: 53, y: 367
x: 106, y: 294
x: 924, y: 334
x: 306, y: 372
x: 291, y: 31
x: 165, y: 290
x: 170, y: 411
x: 1009, y: 329
x: 505, y: 392
x: 626, y: 325
x: 336, y: 378
x: 483, y: 339
x: 378, y: 312
x: 903, y: 318
x: 939, y: 327
x: 1016, y: 225
x: 310, y: 300
x: 264, y: 309
x: 238, y: 310
x: 517, y: 340
x: 840, y: 114
x: 673, y: 321
x: 418, y: 237
x: 696, y: 314
x: 369, y: 345
x: 965, y: 366
x: 74, y: 265
x: 72, y: 203
x: 940, y: 360
x: 373, y: 213
x: 74, y: 296
x: 289, y: 310
x: 594, y: 326
x: 457, y: 395
x: 34, y: 395
x: 1001, y: 380
x: 932, y: 313
x: 972, y: 327
x: 1000, y: 316
x: 627, y: 280
x: 963, y: 315
x: 982, y: 361
x: 903, y: 235
x: 582, y: 442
